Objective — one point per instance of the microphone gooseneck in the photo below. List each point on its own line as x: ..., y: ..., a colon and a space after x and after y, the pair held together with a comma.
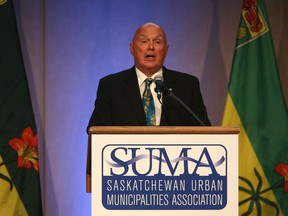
x: 160, y: 88
x: 171, y: 94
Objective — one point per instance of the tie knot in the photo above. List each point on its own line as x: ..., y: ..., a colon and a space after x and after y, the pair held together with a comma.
x: 148, y: 82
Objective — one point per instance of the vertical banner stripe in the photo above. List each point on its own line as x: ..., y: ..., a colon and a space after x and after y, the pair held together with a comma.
x: 19, y: 166
x: 256, y: 104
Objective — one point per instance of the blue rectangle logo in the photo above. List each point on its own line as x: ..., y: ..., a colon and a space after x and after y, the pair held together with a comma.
x: 164, y: 176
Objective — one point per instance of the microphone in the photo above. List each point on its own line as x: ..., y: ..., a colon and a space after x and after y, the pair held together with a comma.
x: 158, y: 80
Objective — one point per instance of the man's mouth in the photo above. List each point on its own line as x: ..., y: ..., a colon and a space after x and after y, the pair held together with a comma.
x: 150, y: 56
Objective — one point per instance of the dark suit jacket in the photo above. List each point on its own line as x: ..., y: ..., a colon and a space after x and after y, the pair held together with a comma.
x: 119, y: 102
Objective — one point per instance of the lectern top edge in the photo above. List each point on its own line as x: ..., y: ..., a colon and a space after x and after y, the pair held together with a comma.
x: 162, y: 130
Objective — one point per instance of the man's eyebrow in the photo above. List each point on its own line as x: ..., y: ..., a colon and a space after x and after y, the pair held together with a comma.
x: 142, y: 35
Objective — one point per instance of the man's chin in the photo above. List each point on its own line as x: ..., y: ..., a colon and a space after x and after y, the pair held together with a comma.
x: 152, y: 67
x: 149, y: 68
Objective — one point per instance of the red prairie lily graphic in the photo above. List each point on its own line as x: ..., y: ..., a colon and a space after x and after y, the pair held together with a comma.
x: 27, y: 148
x: 282, y: 169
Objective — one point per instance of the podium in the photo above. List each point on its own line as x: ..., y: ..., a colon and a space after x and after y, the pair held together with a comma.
x: 163, y: 170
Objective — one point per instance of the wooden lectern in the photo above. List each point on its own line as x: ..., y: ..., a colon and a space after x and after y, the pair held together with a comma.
x: 163, y: 170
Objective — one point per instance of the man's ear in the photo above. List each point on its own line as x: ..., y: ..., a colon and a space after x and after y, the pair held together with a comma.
x: 167, y: 48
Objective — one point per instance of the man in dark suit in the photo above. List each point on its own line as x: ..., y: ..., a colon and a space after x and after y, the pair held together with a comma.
x: 119, y: 96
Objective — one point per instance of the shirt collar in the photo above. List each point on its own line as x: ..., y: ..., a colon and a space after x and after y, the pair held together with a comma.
x: 141, y: 76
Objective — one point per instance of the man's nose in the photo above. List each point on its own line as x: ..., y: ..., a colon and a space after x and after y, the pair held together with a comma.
x: 151, y: 45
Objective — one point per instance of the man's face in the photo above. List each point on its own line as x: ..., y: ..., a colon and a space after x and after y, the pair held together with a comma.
x: 149, y: 48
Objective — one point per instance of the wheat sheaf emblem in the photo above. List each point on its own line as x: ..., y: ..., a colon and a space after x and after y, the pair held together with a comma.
x: 2, y: 1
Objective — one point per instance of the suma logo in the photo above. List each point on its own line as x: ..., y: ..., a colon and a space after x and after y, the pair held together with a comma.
x: 167, y: 160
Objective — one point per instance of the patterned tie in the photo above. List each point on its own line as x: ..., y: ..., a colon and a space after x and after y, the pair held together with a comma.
x: 148, y: 103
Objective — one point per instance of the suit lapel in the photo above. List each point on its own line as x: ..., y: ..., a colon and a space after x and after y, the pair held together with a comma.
x: 169, y: 82
x: 130, y: 84
x: 168, y: 77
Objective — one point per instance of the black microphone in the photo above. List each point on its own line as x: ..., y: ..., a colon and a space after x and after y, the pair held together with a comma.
x: 158, y: 80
